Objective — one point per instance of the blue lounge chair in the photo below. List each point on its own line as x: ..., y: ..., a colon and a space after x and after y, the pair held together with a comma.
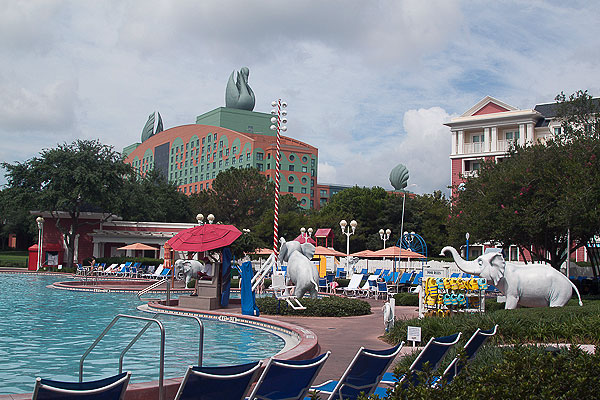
x: 382, y: 290
x: 432, y: 354
x: 455, y: 275
x: 377, y: 271
x: 385, y: 274
x: 364, y: 271
x: 103, y: 389
x: 362, y: 375
x: 471, y: 348
x: 341, y: 273
x: 210, y: 383
x: 287, y: 379
x: 322, y: 284
x: 417, y: 279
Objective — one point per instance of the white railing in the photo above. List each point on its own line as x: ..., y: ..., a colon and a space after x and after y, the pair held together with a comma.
x: 477, y: 147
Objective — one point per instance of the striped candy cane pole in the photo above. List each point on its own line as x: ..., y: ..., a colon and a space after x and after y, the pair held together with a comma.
x: 277, y: 126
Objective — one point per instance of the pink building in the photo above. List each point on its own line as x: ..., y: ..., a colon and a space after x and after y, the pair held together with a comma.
x: 485, y: 131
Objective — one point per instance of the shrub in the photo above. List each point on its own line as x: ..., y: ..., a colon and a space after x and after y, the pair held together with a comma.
x: 191, y: 284
x: 331, y: 306
x: 571, y: 324
x: 407, y: 299
x: 521, y: 372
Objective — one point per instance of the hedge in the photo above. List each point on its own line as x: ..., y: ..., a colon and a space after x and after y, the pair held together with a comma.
x: 330, y: 306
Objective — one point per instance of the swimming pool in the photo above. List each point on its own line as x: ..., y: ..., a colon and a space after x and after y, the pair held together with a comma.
x: 45, y: 331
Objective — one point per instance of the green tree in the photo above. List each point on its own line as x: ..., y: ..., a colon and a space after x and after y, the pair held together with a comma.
x: 532, y: 198
x: 240, y: 197
x: 153, y: 198
x: 72, y: 178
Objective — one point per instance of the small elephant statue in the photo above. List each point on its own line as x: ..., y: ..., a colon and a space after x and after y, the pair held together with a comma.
x: 300, y: 270
x: 532, y: 285
x: 190, y: 269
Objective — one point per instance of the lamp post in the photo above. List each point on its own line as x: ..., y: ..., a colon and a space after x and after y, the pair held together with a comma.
x: 40, y: 224
x: 278, y: 121
x: 385, y: 235
x: 348, y: 232
x: 304, y: 235
x: 467, y: 237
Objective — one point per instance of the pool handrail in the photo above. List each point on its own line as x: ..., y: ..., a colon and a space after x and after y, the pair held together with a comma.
x: 161, y: 393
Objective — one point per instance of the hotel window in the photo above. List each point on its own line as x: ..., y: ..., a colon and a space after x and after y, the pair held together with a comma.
x: 208, y: 148
x: 292, y: 158
x: 312, y: 193
x: 226, y: 161
x: 312, y: 162
x: 312, y: 172
x: 195, y: 188
x: 185, y: 189
x: 220, y: 153
x: 213, y: 175
x: 201, y: 177
x: 220, y: 143
x: 233, y: 160
x: 268, y: 165
x: 215, y: 137
x: 557, y: 130
x: 291, y: 189
x: 202, y: 149
x: 196, y: 170
x: 303, y: 190
x: 171, y: 161
x: 197, y: 142
x: 226, y: 152
x: 259, y: 166
x: 185, y: 181
x: 234, y: 150
x: 214, y: 165
x: 196, y: 178
x: 304, y: 168
x: 202, y: 186
x: 214, y: 155
x: 259, y: 156
x: 220, y: 163
x: 241, y: 159
x: 291, y: 178
x: 203, y: 143
x: 291, y: 167
x: 247, y: 156
x: 268, y: 156
x: 186, y: 146
x: 312, y: 204
x: 323, y: 193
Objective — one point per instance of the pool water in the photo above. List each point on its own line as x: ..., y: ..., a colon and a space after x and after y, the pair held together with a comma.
x: 44, y: 332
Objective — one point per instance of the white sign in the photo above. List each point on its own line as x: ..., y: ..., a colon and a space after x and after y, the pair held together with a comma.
x: 433, y: 273
x: 414, y: 334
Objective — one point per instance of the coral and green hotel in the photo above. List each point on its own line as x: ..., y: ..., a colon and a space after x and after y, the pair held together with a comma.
x: 193, y: 155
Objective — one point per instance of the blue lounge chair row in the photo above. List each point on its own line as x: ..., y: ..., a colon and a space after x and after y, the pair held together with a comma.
x: 286, y: 379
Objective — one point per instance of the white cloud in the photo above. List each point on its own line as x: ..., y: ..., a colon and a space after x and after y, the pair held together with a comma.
x: 368, y: 83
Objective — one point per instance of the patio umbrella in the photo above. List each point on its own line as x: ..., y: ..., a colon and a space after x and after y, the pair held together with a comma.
x: 262, y: 252
x: 328, y: 251
x: 397, y: 252
x: 137, y: 246
x: 364, y: 254
x: 204, y: 237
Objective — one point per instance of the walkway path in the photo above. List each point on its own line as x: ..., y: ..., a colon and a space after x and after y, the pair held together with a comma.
x: 343, y: 336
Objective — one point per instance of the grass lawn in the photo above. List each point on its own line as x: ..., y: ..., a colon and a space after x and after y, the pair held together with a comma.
x: 13, y: 259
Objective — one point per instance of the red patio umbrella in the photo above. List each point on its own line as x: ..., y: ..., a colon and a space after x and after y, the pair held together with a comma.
x: 364, y: 254
x: 204, y: 237
x: 262, y: 252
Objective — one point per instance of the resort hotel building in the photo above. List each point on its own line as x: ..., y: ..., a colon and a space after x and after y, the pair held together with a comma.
x: 485, y: 131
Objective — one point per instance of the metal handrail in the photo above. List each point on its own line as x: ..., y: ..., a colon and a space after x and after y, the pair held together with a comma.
x: 150, y: 321
x: 161, y: 394
x: 258, y: 278
x: 149, y: 288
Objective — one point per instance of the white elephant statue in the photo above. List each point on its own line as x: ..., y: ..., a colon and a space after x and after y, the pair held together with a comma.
x: 300, y: 270
x: 191, y: 269
x: 531, y: 285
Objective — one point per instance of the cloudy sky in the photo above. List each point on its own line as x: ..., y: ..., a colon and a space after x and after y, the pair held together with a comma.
x: 370, y: 83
